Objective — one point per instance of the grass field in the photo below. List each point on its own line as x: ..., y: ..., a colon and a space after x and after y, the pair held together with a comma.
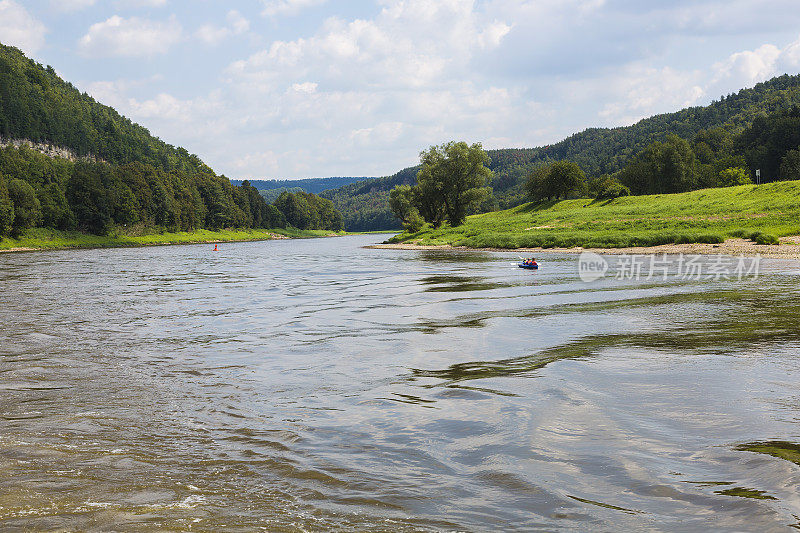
x: 762, y: 213
x: 43, y: 239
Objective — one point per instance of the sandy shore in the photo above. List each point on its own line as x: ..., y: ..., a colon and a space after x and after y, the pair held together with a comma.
x: 788, y: 249
x: 19, y: 250
x: 130, y: 244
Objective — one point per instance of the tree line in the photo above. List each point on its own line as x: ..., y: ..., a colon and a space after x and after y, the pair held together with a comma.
x: 452, y: 178
x: 713, y: 158
x: 598, y: 151
x: 39, y: 191
x: 123, y: 176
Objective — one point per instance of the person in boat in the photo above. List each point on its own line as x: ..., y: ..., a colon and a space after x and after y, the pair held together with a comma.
x: 529, y: 261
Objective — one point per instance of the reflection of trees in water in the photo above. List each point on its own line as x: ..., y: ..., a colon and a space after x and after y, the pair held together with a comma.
x: 789, y: 451
x: 766, y: 325
x: 456, y: 283
x: 455, y: 256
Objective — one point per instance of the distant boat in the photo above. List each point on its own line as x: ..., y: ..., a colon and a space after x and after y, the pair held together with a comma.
x: 529, y: 265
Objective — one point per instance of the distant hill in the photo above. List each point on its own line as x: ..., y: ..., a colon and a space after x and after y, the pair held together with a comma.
x: 364, y: 205
x: 69, y: 163
x: 37, y: 105
x: 312, y: 185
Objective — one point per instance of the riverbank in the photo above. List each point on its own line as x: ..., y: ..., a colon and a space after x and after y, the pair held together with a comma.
x: 760, y: 213
x: 789, y: 248
x: 48, y: 239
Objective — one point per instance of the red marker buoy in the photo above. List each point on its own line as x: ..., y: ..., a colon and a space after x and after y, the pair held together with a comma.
x: 215, y: 248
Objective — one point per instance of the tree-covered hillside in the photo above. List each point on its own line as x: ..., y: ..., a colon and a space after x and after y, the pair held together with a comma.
x: 364, y: 205
x: 312, y: 185
x: 123, y: 177
x: 37, y: 105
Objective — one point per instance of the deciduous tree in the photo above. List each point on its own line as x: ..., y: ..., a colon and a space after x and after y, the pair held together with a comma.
x: 453, y: 176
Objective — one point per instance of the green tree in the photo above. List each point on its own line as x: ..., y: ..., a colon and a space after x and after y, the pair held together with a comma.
x: 607, y: 188
x: 427, y: 198
x: 6, y: 209
x: 88, y: 197
x: 560, y: 179
x: 730, y: 177
x: 790, y: 165
x: 126, y: 207
x: 769, y: 139
x: 455, y: 174
x: 401, y: 202
x: 662, y: 168
x: 27, y: 209
x: 55, y: 208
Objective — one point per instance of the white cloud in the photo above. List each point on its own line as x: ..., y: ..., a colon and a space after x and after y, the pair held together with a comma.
x: 130, y: 37
x: 237, y: 22
x: 267, y: 161
x: 307, y: 87
x: 640, y: 91
x: 18, y: 28
x: 381, y: 134
x: 211, y: 34
x: 364, y: 95
x: 752, y: 66
x: 493, y: 34
x: 274, y: 8
x: 413, y: 43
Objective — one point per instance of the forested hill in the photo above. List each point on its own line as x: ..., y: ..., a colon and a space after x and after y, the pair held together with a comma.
x: 312, y: 185
x: 69, y: 163
x: 37, y: 105
x: 364, y: 205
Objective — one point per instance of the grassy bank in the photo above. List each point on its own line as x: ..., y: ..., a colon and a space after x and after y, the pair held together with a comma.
x: 762, y: 213
x: 48, y: 239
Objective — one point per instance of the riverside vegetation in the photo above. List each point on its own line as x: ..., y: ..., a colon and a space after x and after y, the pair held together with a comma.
x: 698, y: 191
x: 713, y: 133
x: 758, y: 212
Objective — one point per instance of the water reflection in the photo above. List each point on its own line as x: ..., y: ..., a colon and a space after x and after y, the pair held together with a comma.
x: 506, y: 367
x: 789, y: 451
x: 466, y: 257
x: 455, y: 283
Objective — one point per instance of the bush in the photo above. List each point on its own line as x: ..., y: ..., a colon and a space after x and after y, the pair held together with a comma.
x: 731, y: 177
x: 609, y: 188
x: 757, y: 237
x: 764, y: 238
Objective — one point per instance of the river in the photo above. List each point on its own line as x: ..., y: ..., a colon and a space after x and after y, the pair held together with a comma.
x: 315, y: 385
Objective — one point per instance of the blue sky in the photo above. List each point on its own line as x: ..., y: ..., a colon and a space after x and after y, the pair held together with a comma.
x: 310, y: 88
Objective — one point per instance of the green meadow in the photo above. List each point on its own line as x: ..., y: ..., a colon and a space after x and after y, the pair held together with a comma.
x: 762, y: 213
x: 49, y: 239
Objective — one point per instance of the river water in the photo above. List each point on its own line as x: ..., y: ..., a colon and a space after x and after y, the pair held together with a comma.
x: 315, y: 385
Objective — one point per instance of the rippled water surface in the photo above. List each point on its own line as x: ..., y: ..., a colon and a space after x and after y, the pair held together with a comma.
x: 317, y: 385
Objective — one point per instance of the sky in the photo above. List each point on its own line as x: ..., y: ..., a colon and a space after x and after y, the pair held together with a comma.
x: 281, y: 89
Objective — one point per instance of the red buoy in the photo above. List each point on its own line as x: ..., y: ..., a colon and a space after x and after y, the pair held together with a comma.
x: 215, y: 248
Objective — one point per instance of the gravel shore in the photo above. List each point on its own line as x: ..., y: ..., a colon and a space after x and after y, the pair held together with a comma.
x: 789, y: 248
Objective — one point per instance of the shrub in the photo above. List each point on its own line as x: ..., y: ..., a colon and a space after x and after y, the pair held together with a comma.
x: 731, y: 177
x: 757, y: 237
x: 609, y: 188
x: 764, y: 238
